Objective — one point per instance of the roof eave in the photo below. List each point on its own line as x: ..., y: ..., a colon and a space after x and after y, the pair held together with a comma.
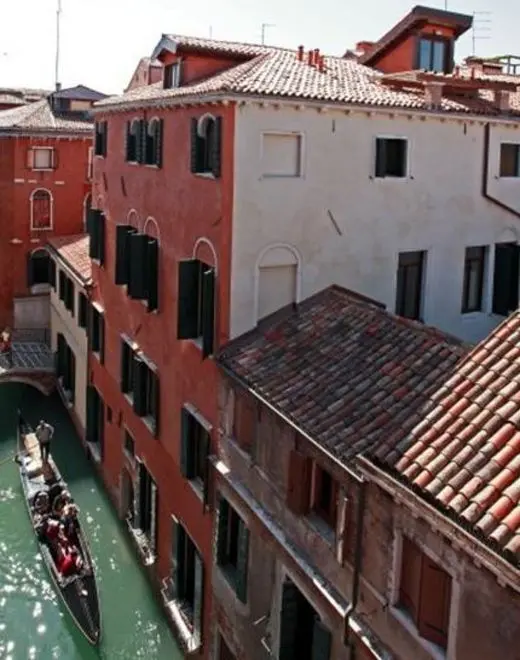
x: 83, y: 281
x: 166, y: 44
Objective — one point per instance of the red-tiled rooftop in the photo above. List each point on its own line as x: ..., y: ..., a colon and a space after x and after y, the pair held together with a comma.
x: 74, y: 252
x: 465, y: 453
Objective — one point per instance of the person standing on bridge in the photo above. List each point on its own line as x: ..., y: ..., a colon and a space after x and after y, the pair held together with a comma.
x: 44, y: 433
x: 7, y: 346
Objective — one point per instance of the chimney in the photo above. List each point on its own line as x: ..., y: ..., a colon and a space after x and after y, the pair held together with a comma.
x: 502, y: 100
x: 300, y: 53
x: 433, y: 95
x: 322, y: 63
x: 317, y: 57
x: 58, y: 86
x: 310, y: 58
x: 363, y: 47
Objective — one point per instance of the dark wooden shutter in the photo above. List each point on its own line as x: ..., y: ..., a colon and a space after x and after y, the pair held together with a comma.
x: 144, y: 141
x: 206, y: 485
x: 176, y: 556
x: 140, y: 376
x: 221, y: 526
x: 83, y: 311
x: 194, y: 146
x: 60, y: 349
x: 188, y: 297
x: 299, y: 483
x: 186, y: 457
x: 321, y: 641
x: 410, y: 583
x: 91, y: 231
x: 289, y: 622
x: 52, y: 273
x: 434, y: 608
x: 208, y: 311
x: 30, y: 270
x: 155, y: 400
x: 126, y: 356
x: 380, y: 164
x: 66, y: 368
x: 159, y: 131
x: 343, y: 528
x: 198, y: 599
x: 101, y: 338
x: 152, y: 284
x: 154, y: 517
x: 216, y: 147
x: 242, y: 561
x: 122, y: 255
x: 91, y: 417
x: 72, y: 367
x: 144, y: 483
x: 138, y: 265
x: 502, y: 278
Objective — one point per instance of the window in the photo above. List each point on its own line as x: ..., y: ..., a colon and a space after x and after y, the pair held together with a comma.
x: 425, y: 594
x: 66, y: 367
x: 96, y: 231
x: 391, y: 158
x: 233, y: 548
x: 90, y: 163
x: 41, y: 210
x: 187, y: 577
x: 505, y: 278
x: 509, y: 160
x: 42, y: 158
x: 433, y: 55
x: 171, y: 77
x: 137, y: 265
x: 52, y: 273
x: 87, y: 207
x: 325, y: 496
x: 146, y: 509
x: 196, y: 306
x: 153, y: 143
x: 206, y: 145
x: 410, y: 284
x: 82, y: 310
x: 473, y: 285
x: 195, y: 442
x: 95, y: 427
x: 140, y: 382
x: 96, y: 332
x: 129, y: 446
x: 281, y: 155
x: 38, y: 268
x: 133, y: 140
x: 68, y: 294
x: 101, y: 138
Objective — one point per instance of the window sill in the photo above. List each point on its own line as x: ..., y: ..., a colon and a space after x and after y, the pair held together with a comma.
x: 282, y: 176
x: 150, y: 424
x: 205, y: 175
x: 197, y: 342
x: 228, y: 579
x: 436, y: 652
x: 391, y: 178
x: 97, y: 355
x: 41, y: 228
x: 129, y: 457
x: 152, y: 166
x: 470, y: 316
x: 142, y: 544
x: 190, y: 639
x: 129, y: 398
x: 198, y: 488
x: 322, y: 528
x: 43, y: 169
x: 94, y: 451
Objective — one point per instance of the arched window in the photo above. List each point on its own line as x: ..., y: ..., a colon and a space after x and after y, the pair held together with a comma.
x: 277, y: 279
x: 87, y: 205
x: 206, y: 145
x: 41, y: 209
x: 153, y: 150
x: 38, y: 268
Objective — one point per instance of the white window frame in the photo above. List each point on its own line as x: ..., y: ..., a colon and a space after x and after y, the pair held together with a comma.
x: 407, y: 172
x: 31, y: 202
x: 49, y: 150
x: 301, y: 136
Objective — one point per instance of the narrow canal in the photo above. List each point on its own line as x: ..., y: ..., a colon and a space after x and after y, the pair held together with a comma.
x: 33, y: 623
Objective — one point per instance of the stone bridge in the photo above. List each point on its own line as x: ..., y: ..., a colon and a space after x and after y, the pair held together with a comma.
x: 32, y: 361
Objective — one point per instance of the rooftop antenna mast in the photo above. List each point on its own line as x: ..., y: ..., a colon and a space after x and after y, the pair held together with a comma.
x: 481, y: 28
x: 264, y: 28
x: 57, y: 69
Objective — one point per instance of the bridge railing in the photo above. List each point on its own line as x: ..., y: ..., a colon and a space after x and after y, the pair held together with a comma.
x: 34, y: 335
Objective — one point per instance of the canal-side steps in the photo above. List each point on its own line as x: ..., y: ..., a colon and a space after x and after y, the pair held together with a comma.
x: 32, y: 361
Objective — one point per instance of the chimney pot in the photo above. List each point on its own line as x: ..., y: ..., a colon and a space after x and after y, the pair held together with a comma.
x: 310, y: 58
x: 316, y: 56
x: 433, y: 95
x: 502, y: 100
x: 300, y: 53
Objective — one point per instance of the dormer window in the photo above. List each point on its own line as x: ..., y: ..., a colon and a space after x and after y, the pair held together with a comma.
x: 171, y: 76
x: 433, y: 54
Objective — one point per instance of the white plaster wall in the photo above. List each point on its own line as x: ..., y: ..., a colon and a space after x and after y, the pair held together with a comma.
x: 76, y: 337
x: 438, y: 207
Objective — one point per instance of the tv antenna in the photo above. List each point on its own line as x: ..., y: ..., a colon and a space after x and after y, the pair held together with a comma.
x: 481, y: 28
x: 264, y: 28
x: 57, y: 69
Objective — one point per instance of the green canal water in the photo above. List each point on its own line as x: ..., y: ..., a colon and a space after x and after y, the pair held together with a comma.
x: 33, y: 623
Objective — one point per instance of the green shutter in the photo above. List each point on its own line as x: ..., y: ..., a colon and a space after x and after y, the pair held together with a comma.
x: 216, y: 147
x: 144, y: 141
x: 380, y: 164
x: 159, y: 131
x: 242, y: 561
x: 126, y: 356
x: 140, y: 376
x: 188, y: 299
x: 152, y: 284
x: 186, y: 449
x: 101, y: 337
x: 155, y: 400
x: 83, y: 311
x: 221, y: 526
x: 194, y: 145
x: 92, y: 231
x: 138, y: 264
x: 128, y: 141
x: 30, y: 271
x: 288, y: 622
x: 208, y: 311
x: 321, y: 641
x: 122, y: 255
x: 198, y: 598
x: 176, y: 556
x: 91, y: 434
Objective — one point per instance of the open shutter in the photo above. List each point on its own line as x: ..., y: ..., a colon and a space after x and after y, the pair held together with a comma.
x: 198, y: 600
x: 90, y: 430
x: 299, y: 483
x: 289, y: 622
x: 140, y: 376
x: 434, y: 608
x: 206, y: 443
x: 137, y: 493
x: 122, y: 255
x: 194, y: 145
x: 144, y: 141
x: 30, y: 271
x: 126, y: 356
x: 221, y: 526
x: 70, y: 296
x: 152, y: 284
x: 410, y: 584
x: 175, y: 556
x: 159, y: 130
x: 101, y: 338
x: 502, y: 278
x: 30, y: 159
x: 154, y: 517
x: 242, y: 561
x: 186, y: 450
x: 380, y: 164
x: 138, y: 264
x: 343, y: 529
x: 188, y: 296
x: 208, y: 311
x: 321, y: 641
x: 216, y: 147
x: 155, y: 400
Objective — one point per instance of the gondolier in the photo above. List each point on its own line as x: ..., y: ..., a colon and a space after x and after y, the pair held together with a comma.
x: 44, y: 433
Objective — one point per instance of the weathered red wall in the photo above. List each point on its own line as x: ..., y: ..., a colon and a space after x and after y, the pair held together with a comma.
x: 185, y: 208
x: 68, y: 185
x: 196, y: 67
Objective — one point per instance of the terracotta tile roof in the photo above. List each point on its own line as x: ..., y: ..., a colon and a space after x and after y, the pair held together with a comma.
x: 278, y: 73
x: 216, y: 46
x: 74, y: 251
x: 11, y: 98
x: 344, y: 370
x: 465, y: 453
x: 39, y: 116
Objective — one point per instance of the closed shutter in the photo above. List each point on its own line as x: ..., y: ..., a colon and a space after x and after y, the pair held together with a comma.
x: 221, y: 527
x: 175, y: 556
x: 30, y: 271
x: 216, y: 147
x: 52, y: 273
x: 502, y: 278
x: 137, y: 493
x: 242, y: 561
x: 144, y: 141
x: 159, y: 130
x: 83, y: 311
x: 343, y: 529
x: 138, y: 265
x: 194, y: 146
x: 154, y: 517
x: 299, y: 483
x: 90, y: 431
x: 92, y: 230
x: 101, y: 426
x: 70, y: 296
x: 380, y: 165
x: 288, y: 622
x: 206, y: 441
x: 186, y: 450
x: 434, y: 608
x: 410, y: 584
x: 188, y: 299
x: 140, y: 376
x: 122, y: 255
x: 126, y: 356
x: 60, y: 351
x: 321, y: 641
x: 101, y: 337
x: 155, y: 400
x: 138, y: 141
x: 198, y: 600
x: 152, y: 284
x: 208, y: 311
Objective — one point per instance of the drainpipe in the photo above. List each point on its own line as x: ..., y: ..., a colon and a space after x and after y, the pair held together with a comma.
x: 485, y: 175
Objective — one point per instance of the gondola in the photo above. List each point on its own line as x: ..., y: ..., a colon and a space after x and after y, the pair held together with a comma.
x: 41, y: 485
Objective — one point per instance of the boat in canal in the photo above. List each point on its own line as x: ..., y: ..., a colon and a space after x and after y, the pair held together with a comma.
x: 43, y: 486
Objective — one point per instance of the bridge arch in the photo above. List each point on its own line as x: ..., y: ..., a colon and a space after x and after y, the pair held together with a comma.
x: 44, y: 383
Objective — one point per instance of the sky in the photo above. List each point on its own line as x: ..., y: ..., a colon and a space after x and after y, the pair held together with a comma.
x: 103, y: 40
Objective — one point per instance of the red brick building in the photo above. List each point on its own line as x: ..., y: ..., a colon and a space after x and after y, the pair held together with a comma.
x: 147, y: 72
x: 45, y: 186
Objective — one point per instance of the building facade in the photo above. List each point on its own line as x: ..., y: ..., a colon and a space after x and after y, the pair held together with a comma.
x: 45, y: 190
